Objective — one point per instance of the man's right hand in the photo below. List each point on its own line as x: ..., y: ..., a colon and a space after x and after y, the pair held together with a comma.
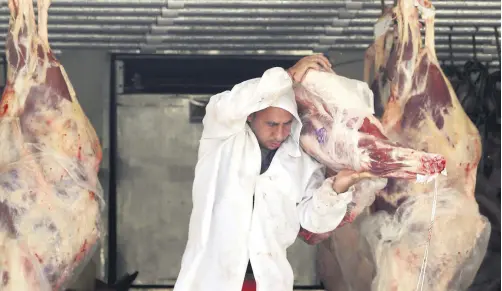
x: 316, y: 62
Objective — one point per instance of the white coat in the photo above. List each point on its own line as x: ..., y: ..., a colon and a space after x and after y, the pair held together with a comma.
x: 225, y: 231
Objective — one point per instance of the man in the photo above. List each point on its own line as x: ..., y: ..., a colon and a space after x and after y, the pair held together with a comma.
x: 254, y: 186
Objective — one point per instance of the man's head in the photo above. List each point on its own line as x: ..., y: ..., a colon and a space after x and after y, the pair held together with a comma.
x: 271, y: 126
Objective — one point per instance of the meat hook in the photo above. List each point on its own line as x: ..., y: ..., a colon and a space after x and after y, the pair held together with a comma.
x: 474, y: 43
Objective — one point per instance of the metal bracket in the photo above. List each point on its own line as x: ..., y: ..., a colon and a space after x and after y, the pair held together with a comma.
x: 119, y: 77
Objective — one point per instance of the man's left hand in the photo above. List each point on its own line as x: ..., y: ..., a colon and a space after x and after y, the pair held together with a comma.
x: 347, y: 178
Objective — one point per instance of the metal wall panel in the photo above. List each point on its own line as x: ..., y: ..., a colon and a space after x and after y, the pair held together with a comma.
x: 157, y: 152
x: 294, y: 27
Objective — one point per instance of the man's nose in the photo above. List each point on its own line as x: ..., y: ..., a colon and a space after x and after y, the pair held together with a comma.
x: 281, y: 133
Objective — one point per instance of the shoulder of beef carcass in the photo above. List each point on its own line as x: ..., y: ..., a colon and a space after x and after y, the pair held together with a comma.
x: 49, y: 158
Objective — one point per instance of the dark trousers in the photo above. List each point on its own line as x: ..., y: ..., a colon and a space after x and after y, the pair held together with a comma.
x: 249, y: 282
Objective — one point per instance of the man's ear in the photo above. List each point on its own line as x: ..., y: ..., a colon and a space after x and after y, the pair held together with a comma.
x: 251, y: 117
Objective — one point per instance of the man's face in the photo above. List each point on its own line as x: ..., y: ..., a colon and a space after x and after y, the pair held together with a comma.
x: 271, y: 126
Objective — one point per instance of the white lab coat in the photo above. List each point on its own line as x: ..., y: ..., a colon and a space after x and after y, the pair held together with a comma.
x: 225, y: 231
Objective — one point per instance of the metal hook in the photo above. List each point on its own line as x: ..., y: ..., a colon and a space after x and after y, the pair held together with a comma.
x: 474, y: 43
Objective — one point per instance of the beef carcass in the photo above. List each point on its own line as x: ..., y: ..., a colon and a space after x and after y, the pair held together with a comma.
x: 49, y: 158
x: 385, y: 247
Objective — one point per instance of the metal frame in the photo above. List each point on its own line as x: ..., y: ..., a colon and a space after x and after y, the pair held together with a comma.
x: 3, y: 63
x: 116, y: 87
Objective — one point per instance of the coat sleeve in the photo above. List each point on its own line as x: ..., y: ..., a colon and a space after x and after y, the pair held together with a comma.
x: 226, y: 112
x: 321, y: 209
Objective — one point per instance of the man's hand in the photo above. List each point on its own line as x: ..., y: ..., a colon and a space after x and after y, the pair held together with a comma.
x: 346, y: 178
x: 316, y: 62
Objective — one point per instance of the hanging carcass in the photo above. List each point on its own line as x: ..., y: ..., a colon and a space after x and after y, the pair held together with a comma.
x: 49, y: 159
x: 428, y: 236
